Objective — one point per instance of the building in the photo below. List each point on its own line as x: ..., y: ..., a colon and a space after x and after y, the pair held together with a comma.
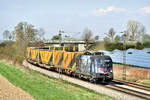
x: 80, y: 44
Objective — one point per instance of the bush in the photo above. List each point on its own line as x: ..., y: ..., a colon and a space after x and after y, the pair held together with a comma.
x: 128, y: 46
x: 139, y: 46
x: 110, y: 46
x: 2, y: 44
x: 7, y: 50
x: 119, y: 46
x: 146, y: 44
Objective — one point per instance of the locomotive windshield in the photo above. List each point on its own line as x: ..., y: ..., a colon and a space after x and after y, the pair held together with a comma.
x: 103, y: 62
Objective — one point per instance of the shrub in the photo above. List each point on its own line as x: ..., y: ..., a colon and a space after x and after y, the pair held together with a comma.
x: 110, y: 46
x: 146, y: 44
x: 139, y: 45
x: 7, y: 50
x: 128, y: 46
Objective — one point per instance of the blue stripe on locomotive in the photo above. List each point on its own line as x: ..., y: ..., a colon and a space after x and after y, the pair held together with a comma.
x: 85, y: 63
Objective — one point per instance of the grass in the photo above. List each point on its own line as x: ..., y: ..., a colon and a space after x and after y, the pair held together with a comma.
x: 144, y: 81
x: 46, y: 88
x: 98, y: 46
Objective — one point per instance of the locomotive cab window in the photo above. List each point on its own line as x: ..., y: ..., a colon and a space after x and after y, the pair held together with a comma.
x: 103, y: 62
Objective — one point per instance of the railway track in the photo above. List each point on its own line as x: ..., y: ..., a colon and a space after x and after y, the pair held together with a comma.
x: 135, y: 85
x: 124, y: 88
x: 129, y: 91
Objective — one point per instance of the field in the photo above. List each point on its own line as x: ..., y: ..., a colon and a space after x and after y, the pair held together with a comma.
x: 133, y: 74
x: 47, y: 88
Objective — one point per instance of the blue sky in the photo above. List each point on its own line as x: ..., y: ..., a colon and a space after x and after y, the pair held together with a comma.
x: 73, y: 16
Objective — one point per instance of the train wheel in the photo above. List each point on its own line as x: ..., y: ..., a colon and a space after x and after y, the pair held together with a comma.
x: 73, y: 74
x: 93, y: 80
x: 80, y: 76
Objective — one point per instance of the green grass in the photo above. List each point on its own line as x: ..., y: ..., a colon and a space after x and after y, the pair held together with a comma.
x: 144, y: 82
x: 98, y: 46
x: 46, y: 88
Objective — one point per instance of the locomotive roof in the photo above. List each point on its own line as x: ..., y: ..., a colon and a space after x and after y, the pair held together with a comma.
x: 95, y: 56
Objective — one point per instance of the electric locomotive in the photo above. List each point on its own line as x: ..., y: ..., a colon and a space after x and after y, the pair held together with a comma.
x: 94, y: 67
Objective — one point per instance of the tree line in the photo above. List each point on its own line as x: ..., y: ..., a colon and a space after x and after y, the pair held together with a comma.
x: 134, y: 36
x: 23, y: 35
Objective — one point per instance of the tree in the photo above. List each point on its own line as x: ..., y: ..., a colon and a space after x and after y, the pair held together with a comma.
x: 135, y: 30
x: 41, y: 33
x: 146, y: 38
x: 10, y: 37
x: 56, y: 37
x: 117, y: 38
x: 111, y: 34
x: 106, y: 39
x: 24, y: 34
x: 87, y: 37
x: 13, y: 37
x: 6, y: 35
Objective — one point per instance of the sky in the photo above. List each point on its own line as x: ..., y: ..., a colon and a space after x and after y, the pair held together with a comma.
x: 73, y: 16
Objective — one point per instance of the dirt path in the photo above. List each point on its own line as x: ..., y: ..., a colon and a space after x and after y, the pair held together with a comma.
x: 10, y: 92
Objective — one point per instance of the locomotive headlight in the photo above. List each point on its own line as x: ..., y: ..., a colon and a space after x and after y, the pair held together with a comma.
x: 110, y: 70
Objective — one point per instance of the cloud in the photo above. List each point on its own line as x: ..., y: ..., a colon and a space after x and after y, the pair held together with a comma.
x: 146, y: 10
x: 101, y: 11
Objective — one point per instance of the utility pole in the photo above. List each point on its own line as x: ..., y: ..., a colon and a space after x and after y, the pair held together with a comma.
x: 124, y: 61
x: 124, y: 56
x: 60, y: 36
x: 60, y: 53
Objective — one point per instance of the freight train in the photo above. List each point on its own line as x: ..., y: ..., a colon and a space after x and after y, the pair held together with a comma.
x: 95, y: 67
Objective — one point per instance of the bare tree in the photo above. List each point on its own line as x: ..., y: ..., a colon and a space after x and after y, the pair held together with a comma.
x: 41, y: 33
x: 141, y: 32
x: 6, y: 35
x: 10, y: 37
x: 13, y: 37
x: 56, y: 37
x: 117, y: 38
x: 24, y: 34
x: 87, y: 37
x: 111, y: 34
x: 135, y: 30
x: 146, y: 38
